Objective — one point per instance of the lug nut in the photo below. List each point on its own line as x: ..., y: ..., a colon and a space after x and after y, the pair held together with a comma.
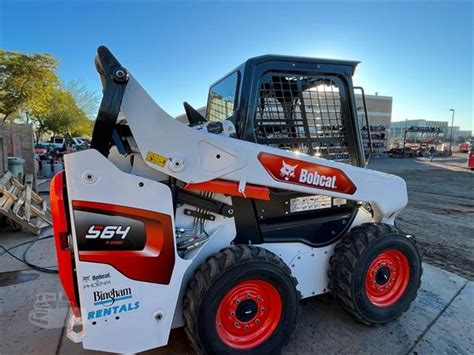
x: 259, y: 299
x: 237, y: 301
x: 257, y: 320
x: 232, y: 314
x: 236, y: 324
x: 262, y: 309
x: 248, y: 295
x: 246, y: 326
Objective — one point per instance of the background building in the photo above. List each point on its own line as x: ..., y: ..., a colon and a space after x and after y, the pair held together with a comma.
x: 458, y: 134
x: 17, y: 140
x: 397, y: 131
x: 379, y: 110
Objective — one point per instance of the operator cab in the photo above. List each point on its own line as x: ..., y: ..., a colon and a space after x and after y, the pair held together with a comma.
x: 304, y: 105
x: 300, y: 104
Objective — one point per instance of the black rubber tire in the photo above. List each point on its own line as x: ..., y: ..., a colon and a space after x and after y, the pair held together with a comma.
x: 220, y: 273
x: 350, y: 263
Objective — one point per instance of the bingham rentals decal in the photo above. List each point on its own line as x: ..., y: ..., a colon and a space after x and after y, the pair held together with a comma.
x: 304, y: 173
x: 109, y: 299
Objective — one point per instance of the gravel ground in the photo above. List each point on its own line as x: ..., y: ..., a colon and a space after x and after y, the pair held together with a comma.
x: 440, y: 211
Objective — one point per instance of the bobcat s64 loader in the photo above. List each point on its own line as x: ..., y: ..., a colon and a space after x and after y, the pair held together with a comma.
x: 222, y: 225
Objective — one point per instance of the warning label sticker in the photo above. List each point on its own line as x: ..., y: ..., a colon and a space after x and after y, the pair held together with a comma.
x: 156, y: 159
x: 309, y: 203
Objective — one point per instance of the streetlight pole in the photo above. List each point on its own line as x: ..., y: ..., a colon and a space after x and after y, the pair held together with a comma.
x: 452, y: 126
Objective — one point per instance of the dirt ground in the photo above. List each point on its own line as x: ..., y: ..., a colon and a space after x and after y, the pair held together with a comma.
x: 440, y: 211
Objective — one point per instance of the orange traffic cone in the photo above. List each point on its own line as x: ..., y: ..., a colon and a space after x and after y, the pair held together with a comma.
x: 470, y: 160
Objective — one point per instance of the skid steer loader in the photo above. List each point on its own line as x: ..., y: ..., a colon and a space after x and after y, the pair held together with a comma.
x: 222, y: 225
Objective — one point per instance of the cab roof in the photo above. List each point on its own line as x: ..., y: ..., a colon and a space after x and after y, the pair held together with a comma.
x: 301, y: 60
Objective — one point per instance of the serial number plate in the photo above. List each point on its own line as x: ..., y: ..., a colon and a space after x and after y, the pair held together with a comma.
x: 308, y: 203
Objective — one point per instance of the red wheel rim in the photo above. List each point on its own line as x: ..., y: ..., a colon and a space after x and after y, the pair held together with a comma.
x: 248, y: 314
x: 387, y: 278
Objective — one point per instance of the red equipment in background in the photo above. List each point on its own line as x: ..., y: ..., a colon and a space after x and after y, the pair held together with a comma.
x: 470, y: 159
x: 464, y: 148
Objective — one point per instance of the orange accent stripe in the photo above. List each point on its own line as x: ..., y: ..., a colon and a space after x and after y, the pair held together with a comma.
x: 231, y: 188
x: 61, y: 231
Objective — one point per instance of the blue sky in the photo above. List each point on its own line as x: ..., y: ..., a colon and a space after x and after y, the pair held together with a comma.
x: 421, y: 53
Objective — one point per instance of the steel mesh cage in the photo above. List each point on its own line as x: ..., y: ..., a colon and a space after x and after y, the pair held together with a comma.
x: 302, y: 113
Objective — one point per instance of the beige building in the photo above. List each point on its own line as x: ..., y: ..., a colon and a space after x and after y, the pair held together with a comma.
x: 379, y: 110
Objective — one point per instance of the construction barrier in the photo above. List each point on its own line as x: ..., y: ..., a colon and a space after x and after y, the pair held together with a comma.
x: 470, y: 160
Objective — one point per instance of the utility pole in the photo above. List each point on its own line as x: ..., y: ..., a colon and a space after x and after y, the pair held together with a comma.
x: 405, y: 135
x: 452, y: 126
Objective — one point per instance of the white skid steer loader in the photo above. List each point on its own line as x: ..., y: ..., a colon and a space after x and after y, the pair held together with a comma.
x: 224, y: 224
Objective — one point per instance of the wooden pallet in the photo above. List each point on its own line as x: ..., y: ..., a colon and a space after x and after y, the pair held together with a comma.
x: 21, y: 205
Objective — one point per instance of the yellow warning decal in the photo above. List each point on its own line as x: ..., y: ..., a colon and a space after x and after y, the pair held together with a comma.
x: 156, y: 159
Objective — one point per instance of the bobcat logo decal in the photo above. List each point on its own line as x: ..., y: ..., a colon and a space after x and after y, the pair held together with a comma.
x: 315, y: 174
x: 287, y: 171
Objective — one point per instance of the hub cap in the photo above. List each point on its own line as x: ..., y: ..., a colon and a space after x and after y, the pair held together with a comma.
x: 248, y: 314
x: 387, y: 278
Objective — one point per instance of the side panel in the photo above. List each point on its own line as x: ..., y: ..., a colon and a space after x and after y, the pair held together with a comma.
x: 181, y: 155
x: 310, y: 265
x: 129, y: 274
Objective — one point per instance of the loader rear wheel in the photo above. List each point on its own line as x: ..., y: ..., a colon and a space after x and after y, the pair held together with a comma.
x: 375, y: 273
x: 242, y: 299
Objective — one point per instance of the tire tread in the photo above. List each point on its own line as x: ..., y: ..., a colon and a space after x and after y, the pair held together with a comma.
x: 343, y: 262
x: 209, y: 271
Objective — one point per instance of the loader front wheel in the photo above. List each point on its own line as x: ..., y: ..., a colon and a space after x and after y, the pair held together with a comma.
x: 375, y: 273
x: 242, y: 299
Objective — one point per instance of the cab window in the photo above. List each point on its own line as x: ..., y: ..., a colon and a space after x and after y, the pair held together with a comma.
x: 222, y: 98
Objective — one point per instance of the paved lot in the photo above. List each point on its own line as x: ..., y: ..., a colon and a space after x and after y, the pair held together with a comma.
x: 439, y: 321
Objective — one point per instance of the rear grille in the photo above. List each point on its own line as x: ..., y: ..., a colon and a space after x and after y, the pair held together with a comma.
x: 303, y: 114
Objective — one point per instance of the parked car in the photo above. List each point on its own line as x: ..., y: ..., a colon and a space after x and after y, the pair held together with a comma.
x: 464, y: 148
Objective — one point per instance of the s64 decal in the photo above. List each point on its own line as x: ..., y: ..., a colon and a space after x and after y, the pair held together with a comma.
x: 107, y: 232
x: 101, y: 231
x: 145, y: 253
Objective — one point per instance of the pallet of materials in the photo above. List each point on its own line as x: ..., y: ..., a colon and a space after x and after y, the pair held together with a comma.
x: 22, y: 206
